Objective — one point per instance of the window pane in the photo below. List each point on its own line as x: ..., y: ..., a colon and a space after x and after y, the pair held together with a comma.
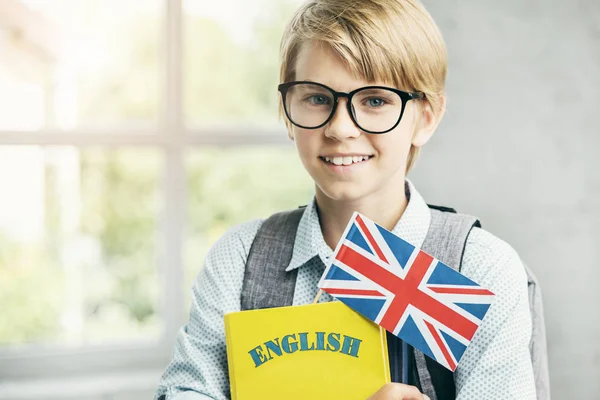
x: 232, y: 60
x: 72, y: 63
x: 229, y: 187
x: 77, y: 245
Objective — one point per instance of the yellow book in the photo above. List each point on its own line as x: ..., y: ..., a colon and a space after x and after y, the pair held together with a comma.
x: 316, y: 351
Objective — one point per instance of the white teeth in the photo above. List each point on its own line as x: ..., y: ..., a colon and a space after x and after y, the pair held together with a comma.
x: 348, y: 160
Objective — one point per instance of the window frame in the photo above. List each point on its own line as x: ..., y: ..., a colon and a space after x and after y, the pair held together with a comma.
x: 173, y: 139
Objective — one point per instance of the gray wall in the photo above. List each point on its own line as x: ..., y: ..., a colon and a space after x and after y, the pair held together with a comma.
x: 519, y: 148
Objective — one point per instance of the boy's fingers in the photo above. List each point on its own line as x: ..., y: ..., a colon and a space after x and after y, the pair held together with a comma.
x: 398, y: 391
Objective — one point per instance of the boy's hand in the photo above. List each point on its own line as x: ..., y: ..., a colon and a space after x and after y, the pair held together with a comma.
x: 398, y: 391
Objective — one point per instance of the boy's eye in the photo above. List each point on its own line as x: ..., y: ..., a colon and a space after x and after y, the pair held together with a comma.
x: 318, y: 99
x: 375, y: 102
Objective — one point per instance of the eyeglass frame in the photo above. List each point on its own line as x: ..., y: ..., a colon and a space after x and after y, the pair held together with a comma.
x: 404, y: 96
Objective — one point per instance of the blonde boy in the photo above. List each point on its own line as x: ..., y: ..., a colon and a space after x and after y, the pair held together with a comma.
x: 362, y: 90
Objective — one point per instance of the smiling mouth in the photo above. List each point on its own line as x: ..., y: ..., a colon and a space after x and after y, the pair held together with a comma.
x: 345, y: 161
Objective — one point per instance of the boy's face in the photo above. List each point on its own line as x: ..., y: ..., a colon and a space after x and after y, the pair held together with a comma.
x: 379, y: 177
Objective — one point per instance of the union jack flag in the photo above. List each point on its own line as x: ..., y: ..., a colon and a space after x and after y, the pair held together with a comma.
x: 424, y: 302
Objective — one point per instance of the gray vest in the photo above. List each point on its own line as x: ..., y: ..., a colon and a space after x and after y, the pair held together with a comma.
x: 267, y: 284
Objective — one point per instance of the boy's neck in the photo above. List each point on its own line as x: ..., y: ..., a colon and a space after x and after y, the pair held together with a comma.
x: 334, y: 214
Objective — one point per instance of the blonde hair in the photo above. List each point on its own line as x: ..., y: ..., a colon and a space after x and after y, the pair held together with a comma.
x: 392, y: 41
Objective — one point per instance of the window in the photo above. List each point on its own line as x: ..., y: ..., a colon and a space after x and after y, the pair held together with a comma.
x: 78, y: 245
x: 234, y: 76
x: 132, y: 135
x: 80, y: 64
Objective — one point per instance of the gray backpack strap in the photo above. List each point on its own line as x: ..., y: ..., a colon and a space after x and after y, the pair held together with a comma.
x: 537, y: 347
x: 447, y: 236
x: 445, y: 240
x: 266, y: 283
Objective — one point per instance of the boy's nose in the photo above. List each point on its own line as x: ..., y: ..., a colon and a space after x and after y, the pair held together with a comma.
x: 341, y: 125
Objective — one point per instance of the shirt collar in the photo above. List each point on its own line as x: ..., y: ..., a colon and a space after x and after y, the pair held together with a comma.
x: 412, y: 227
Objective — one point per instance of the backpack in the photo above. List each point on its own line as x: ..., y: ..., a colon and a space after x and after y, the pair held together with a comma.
x: 267, y: 284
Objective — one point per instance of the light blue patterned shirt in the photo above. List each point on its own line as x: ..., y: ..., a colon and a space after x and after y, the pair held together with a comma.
x: 496, y: 365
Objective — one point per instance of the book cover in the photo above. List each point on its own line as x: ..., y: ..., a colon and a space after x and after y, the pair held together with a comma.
x: 323, y: 350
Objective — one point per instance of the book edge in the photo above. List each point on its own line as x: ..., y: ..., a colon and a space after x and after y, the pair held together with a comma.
x: 386, y: 357
x: 229, y: 349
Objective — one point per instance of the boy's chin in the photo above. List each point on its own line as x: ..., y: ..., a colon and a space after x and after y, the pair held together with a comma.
x: 344, y: 192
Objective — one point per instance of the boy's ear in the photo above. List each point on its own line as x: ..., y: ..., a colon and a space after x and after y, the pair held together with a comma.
x: 427, y: 121
x: 290, y: 132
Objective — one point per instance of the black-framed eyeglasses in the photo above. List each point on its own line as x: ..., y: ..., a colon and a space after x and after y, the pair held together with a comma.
x: 374, y: 109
